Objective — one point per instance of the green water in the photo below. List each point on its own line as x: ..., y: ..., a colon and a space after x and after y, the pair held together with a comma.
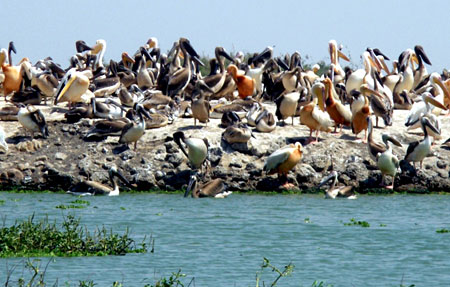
x: 222, y: 242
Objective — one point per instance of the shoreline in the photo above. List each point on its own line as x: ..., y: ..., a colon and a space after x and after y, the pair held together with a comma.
x: 65, y: 158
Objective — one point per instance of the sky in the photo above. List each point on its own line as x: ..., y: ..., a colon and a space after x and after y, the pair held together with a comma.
x: 50, y: 28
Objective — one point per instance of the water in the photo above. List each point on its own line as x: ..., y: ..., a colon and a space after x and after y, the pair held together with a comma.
x: 223, y: 242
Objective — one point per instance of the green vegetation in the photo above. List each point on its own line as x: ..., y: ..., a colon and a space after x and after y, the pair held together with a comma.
x: 29, y: 238
x: 357, y: 222
x: 443, y: 230
x: 266, y: 264
x: 78, y: 203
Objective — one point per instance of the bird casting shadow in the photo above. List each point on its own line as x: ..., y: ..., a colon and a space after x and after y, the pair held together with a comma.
x: 191, y: 127
x: 120, y: 149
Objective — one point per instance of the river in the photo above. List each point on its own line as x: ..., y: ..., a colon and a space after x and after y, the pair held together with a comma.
x: 222, y: 242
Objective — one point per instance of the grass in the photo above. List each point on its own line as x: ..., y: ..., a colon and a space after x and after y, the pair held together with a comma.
x: 32, y: 239
x: 78, y: 203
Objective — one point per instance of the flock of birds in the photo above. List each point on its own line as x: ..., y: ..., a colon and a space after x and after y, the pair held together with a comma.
x: 151, y: 89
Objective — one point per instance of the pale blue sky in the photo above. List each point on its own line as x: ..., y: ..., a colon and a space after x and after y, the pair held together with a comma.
x: 50, y: 28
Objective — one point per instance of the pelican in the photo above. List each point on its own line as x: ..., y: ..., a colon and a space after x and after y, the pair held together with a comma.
x: 336, y: 191
x: 283, y: 160
x: 335, y: 54
x: 197, y: 149
x: 418, y: 150
x: 213, y: 188
x: 108, y: 109
x: 441, y: 93
x: 78, y: 112
x: 72, y: 87
x: 200, y: 106
x: 406, y: 81
x: 421, y: 72
x: 179, y: 80
x: 109, y: 85
x: 237, y: 133
x: 362, y: 76
x: 105, y: 128
x: 133, y: 131
x: 245, y: 84
x: 215, y: 82
x: 3, y: 144
x: 265, y: 122
x: 99, y: 49
x: 87, y: 188
x: 387, y: 162
x: 253, y: 113
x: 339, y: 113
x: 359, y: 120
x: 229, y: 118
x: 424, y: 108
x: 32, y: 119
x: 287, y: 106
x: 375, y: 148
x: 12, y: 74
x: 313, y: 117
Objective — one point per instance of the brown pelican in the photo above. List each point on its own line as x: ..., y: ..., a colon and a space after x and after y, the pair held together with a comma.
x: 109, y: 85
x: 32, y: 119
x: 179, y: 80
x: 108, y: 109
x: 237, y: 133
x: 418, y: 150
x: 133, y: 131
x: 421, y: 72
x: 229, y: 118
x: 86, y: 188
x: 197, y: 149
x: 215, y: 82
x: 283, y: 160
x: 375, y: 148
x: 213, y: 188
x: 287, y: 106
x: 265, y: 122
x: 200, y: 106
x: 337, y: 191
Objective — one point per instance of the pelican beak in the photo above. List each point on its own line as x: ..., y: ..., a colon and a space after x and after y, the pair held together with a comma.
x: 127, y: 59
x: 226, y: 55
x: 426, y: 123
x: 123, y: 179
x: 145, y: 113
x: 66, y: 87
x: 321, y: 98
x: 414, y: 59
x: 435, y: 103
x: 443, y: 87
x: 96, y: 48
x: 393, y: 140
x: 332, y: 49
x: 383, y: 65
x: 343, y: 56
x: 151, y: 43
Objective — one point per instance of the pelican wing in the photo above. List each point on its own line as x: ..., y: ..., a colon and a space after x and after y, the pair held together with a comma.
x: 345, y: 112
x: 277, y: 158
x: 323, y: 118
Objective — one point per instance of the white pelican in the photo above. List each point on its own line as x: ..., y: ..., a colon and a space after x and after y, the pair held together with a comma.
x: 99, y: 49
x: 418, y: 150
x: 335, y: 54
x: 72, y: 87
x: 387, y: 162
x: 441, y: 93
x: 197, y: 149
x: 287, y: 106
x: 283, y: 160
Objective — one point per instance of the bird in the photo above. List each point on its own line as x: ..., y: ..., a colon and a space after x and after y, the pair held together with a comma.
x: 215, y: 82
x: 213, y: 188
x: 12, y: 74
x: 265, y: 122
x: 339, y: 113
x: 89, y: 187
x: 287, y: 106
x: 3, y: 144
x: 245, y: 84
x: 237, y: 133
x: 336, y: 191
x: 387, y: 162
x: 197, y: 149
x: 418, y: 150
x: 200, y: 106
x: 314, y: 117
x: 133, y: 131
x: 359, y: 119
x: 71, y: 87
x: 32, y: 119
x: 283, y: 160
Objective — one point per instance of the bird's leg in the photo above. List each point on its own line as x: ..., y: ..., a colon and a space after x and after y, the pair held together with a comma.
x: 364, y: 140
x: 292, y: 120
x: 195, y: 122
x: 286, y: 184
x: 317, y: 135
x: 421, y: 162
x: 135, y: 145
x: 376, y: 120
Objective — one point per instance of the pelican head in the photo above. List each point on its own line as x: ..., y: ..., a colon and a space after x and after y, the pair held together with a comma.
x: 332, y: 176
x: 191, y: 185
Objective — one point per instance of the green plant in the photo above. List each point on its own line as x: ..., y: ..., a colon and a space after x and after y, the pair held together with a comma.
x: 357, y: 222
x: 443, y: 230
x: 266, y: 264
x: 29, y: 238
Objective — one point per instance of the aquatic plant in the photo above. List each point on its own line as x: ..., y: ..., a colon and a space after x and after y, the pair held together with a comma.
x: 78, y: 203
x: 29, y: 238
x: 443, y: 230
x: 288, y: 269
x: 357, y: 222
